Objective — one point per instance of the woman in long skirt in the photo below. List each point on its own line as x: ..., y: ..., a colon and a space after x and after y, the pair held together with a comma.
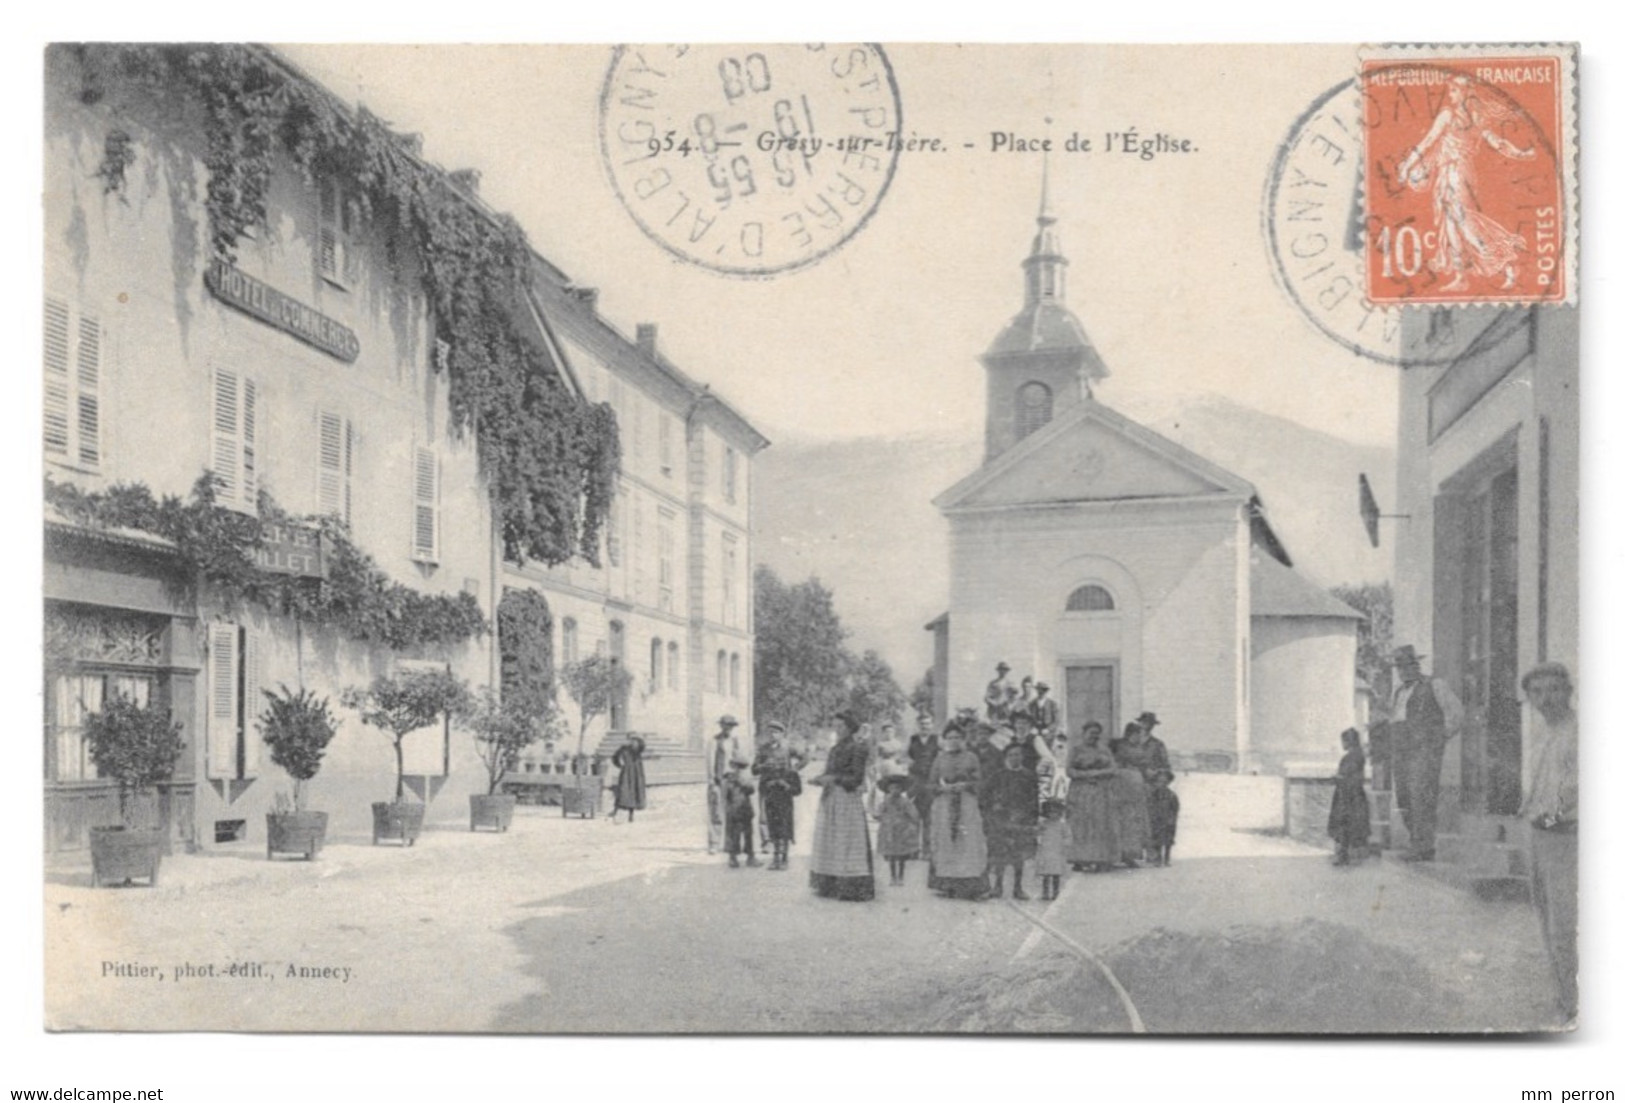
x: 631, y: 785
x: 842, y: 863
x: 1090, y: 770
x: 958, y: 844
x: 1130, y: 796
x: 1350, y: 822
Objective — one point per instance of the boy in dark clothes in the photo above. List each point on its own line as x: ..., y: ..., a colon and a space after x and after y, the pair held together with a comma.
x: 1350, y: 821
x: 1012, y: 820
x: 738, y: 815
x: 1163, y: 805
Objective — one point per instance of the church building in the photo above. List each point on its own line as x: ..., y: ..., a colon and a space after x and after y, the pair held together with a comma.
x: 1125, y: 570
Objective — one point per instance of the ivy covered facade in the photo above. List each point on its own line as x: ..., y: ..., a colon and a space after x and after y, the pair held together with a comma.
x: 301, y: 407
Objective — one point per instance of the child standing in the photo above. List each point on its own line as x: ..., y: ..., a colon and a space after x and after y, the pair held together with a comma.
x: 1350, y: 821
x: 899, y: 825
x: 1163, y: 805
x: 739, y: 814
x: 1012, y: 822
x: 1053, y: 840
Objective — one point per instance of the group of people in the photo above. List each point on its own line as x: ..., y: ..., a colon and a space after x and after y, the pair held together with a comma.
x: 993, y: 792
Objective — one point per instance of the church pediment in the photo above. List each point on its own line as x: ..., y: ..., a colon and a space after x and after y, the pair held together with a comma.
x: 1092, y: 453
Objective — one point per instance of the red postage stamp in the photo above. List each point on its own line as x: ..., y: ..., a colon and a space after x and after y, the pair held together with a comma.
x: 1469, y: 175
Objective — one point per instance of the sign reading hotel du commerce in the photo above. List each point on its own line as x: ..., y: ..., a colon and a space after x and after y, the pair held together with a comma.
x: 272, y: 307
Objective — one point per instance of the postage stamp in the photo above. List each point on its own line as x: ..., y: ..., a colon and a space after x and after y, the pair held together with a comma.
x: 1468, y: 175
x: 751, y: 162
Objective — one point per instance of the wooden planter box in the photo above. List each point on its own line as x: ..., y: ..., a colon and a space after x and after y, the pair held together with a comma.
x: 119, y: 855
x: 396, y: 821
x: 580, y: 796
x: 494, y: 811
x: 295, y: 833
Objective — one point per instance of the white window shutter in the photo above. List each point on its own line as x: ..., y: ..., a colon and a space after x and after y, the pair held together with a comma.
x: 89, y: 372
x: 333, y: 446
x: 221, y: 747
x: 426, y: 506
x: 58, y: 384
x: 251, y: 489
x: 227, y: 457
x: 253, y: 705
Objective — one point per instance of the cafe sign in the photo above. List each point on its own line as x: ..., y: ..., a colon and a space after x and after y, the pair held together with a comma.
x: 259, y: 300
x: 290, y: 549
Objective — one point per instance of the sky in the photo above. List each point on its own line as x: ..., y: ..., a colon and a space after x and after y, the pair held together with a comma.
x: 1169, y: 273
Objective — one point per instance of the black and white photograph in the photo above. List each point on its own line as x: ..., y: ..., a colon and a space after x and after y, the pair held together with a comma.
x: 1049, y: 541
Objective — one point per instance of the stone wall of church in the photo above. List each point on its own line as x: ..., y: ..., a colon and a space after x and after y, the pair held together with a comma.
x: 1174, y: 640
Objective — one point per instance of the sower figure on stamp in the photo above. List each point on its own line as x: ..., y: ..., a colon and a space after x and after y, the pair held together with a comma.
x: 1425, y: 716
x: 1552, y: 807
x: 721, y: 755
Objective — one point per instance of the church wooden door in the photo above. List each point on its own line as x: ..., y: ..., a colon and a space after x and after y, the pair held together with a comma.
x: 1091, y: 694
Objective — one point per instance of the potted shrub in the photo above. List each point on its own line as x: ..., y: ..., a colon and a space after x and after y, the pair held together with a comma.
x: 398, y: 705
x: 595, y: 683
x: 502, y: 730
x: 296, y: 728
x: 139, y: 746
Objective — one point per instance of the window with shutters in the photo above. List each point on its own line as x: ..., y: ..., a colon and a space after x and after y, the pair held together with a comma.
x: 657, y: 655
x: 336, y: 252
x: 569, y: 641
x: 1035, y: 405
x: 733, y: 674
x: 671, y: 665
x: 730, y: 475
x: 612, y: 532
x: 722, y: 672
x: 667, y: 432
x: 73, y: 379
x: 730, y: 577
x: 426, y: 506
x: 233, y: 750
x: 335, y: 454
x: 234, y: 462
x: 667, y: 548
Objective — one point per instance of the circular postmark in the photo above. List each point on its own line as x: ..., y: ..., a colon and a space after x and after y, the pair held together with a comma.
x: 1315, y: 224
x: 750, y: 160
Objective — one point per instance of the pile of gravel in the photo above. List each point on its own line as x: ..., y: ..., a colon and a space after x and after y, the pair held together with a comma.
x: 1306, y: 977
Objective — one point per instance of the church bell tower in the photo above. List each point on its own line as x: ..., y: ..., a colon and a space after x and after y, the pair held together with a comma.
x: 1042, y: 363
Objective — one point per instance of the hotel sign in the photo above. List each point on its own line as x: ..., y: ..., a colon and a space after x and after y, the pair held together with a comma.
x: 272, y: 307
x: 290, y: 549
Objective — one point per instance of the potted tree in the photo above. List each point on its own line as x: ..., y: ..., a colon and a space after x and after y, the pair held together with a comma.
x: 502, y: 730
x: 139, y: 746
x: 296, y: 727
x: 399, y: 705
x: 595, y: 683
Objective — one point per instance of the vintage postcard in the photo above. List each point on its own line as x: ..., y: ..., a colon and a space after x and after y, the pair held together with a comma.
x: 821, y: 539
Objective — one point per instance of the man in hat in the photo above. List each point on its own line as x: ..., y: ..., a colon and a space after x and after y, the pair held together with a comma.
x: 722, y: 752
x: 1425, y: 716
x: 1552, y: 807
x: 1045, y: 713
x: 998, y: 695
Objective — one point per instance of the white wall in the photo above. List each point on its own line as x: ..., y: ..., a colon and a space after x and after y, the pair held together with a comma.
x: 1302, y: 692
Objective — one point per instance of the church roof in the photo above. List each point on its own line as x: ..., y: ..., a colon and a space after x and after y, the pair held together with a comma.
x: 1280, y: 591
x: 1044, y: 326
x: 1072, y: 459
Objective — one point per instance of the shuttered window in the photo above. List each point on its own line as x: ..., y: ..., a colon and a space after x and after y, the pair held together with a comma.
x: 335, y: 449
x: 233, y: 456
x: 234, y: 748
x: 335, y: 249
x: 73, y: 376
x: 426, y: 506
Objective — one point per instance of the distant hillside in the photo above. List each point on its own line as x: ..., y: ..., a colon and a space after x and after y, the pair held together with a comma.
x: 858, y: 514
